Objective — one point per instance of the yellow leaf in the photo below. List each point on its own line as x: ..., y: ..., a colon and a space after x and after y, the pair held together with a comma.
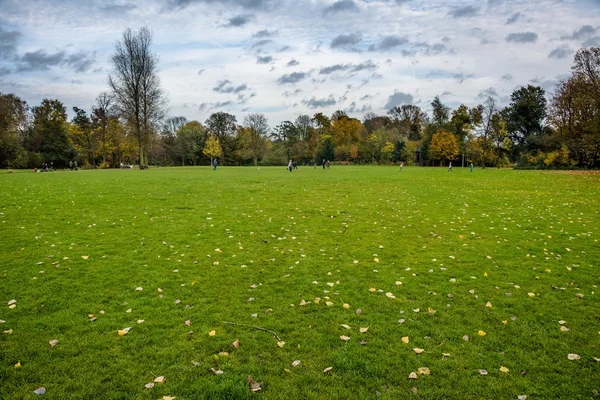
x: 488, y: 304
x: 405, y: 339
x: 376, y: 259
x: 168, y: 397
x: 504, y: 369
x: 329, y: 303
x: 122, y: 332
x: 418, y: 351
x: 481, y: 333
x: 346, y: 305
x: 212, y: 333
x: 344, y: 338
x: 160, y: 379
x: 326, y: 370
x: 363, y: 330
x: 18, y: 365
x: 573, y: 357
x: 505, y: 322
x: 424, y: 371
x: 413, y: 375
x: 485, y: 274
x: 85, y: 257
x: 372, y: 290
x: 564, y: 329
x: 531, y: 294
x: 53, y: 342
x: 345, y: 326
x: 281, y: 344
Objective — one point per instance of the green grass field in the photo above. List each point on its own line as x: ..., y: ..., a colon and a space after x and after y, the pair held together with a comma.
x: 422, y: 254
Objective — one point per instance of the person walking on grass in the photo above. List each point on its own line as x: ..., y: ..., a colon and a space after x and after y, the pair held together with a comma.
x: 401, y: 165
x: 450, y: 167
x: 215, y: 163
x: 323, y: 163
x: 290, y: 166
x: 471, y: 167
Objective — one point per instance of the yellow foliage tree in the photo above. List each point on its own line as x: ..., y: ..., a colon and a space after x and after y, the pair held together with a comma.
x: 212, y: 148
x: 346, y: 130
x: 443, y: 146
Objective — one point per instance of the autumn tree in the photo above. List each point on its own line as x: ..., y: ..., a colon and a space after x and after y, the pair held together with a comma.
x: 50, y: 135
x: 136, y: 86
x: 409, y: 120
x: 443, y: 146
x: 83, y: 136
x: 253, y: 137
x: 13, y: 121
x: 500, y: 139
x: 212, y: 148
x: 101, y: 113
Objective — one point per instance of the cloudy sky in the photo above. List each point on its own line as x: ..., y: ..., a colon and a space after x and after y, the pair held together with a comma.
x: 284, y: 58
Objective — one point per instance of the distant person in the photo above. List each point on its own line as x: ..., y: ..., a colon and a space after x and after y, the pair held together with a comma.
x: 290, y: 166
x: 450, y: 167
x: 71, y: 165
x: 401, y: 165
x: 323, y: 163
x: 215, y: 163
x: 327, y: 164
x: 75, y: 166
x: 471, y: 167
x: 295, y: 165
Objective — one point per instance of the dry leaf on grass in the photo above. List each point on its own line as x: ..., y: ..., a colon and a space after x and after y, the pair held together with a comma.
x: 254, y: 386
x: 53, y: 342
x: 413, y: 375
x: 40, y: 390
x: 344, y: 338
x: 236, y: 344
x: 483, y: 372
x: 481, y: 333
x: 418, y: 351
x: 424, y: 371
x: 345, y: 326
x: 363, y: 330
x: 573, y: 357
x: 326, y: 370
x: 296, y: 363
x: 405, y: 339
x: 504, y: 369
x: 212, y: 333
x: 281, y: 344
x: 149, y: 385
x: 160, y: 379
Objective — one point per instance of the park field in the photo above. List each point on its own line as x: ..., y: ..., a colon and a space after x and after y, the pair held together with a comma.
x: 485, y: 285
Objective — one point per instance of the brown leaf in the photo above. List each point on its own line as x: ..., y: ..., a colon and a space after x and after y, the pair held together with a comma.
x: 413, y: 375
x: 424, y: 371
x: 254, y: 386
x: 160, y: 379
x: 188, y: 323
x: 236, y: 344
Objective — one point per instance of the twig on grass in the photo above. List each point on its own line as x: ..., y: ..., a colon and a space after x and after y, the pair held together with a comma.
x: 254, y: 327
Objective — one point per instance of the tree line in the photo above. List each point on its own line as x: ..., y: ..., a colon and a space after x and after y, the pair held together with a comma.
x: 129, y: 125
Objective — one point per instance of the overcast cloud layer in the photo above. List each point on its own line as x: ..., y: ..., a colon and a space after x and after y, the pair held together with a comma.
x: 290, y: 57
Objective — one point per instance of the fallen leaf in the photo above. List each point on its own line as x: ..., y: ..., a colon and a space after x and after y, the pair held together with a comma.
x: 579, y: 295
x: 413, y: 375
x: 562, y: 322
x: 372, y: 290
x: 40, y: 390
x: 160, y: 379
x: 139, y: 288
x: 483, y: 372
x: 11, y: 302
x: 296, y: 363
x: 504, y: 369
x: 149, y: 385
x: 481, y: 333
x: 326, y: 370
x: 405, y: 339
x: 188, y: 323
x: 363, y: 330
x: 85, y: 257
x: 140, y: 321
x: 344, y: 338
x: 564, y: 329
x: 346, y: 305
x: 53, y: 342
x: 18, y: 365
x: 488, y: 304
x: 254, y: 386
x: 424, y: 371
x: 531, y: 294
x: 573, y: 357
x: 418, y: 351
x: 346, y: 326
x: 168, y: 397
x: 236, y: 344
x: 281, y: 344
x: 329, y: 303
x: 212, y: 333
x: 522, y: 397
x: 122, y: 332
x: 8, y: 332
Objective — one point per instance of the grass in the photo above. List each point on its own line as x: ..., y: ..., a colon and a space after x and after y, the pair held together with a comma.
x: 455, y: 240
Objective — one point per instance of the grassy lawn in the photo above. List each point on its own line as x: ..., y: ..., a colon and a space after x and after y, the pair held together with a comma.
x: 497, y: 257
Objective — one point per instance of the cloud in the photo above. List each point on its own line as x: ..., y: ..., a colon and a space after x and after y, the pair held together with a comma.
x: 8, y: 42
x: 264, y: 60
x: 201, y: 71
x: 212, y: 106
x: 398, y: 99
x: 513, y: 18
x: 320, y: 103
x: 489, y: 92
x: 248, y: 4
x: 294, y: 77
x: 355, y: 109
x: 340, y: 6
x: 522, y: 37
x: 366, y: 97
x: 463, y: 12
x: 352, y: 68
x: 261, y: 43
x: 238, y: 20
x: 582, y: 33
x: 348, y: 42
x: 592, y: 42
x: 562, y: 51
x: 265, y: 33
x: 81, y: 61
x: 40, y: 60
x: 389, y: 43
x: 291, y: 94
x: 118, y: 9
x: 4, y: 71
x: 506, y: 77
x: 292, y: 63
x: 462, y: 76
x: 225, y: 86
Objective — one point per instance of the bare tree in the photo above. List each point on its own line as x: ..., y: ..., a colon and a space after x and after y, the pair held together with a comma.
x: 489, y: 109
x: 100, y: 117
x: 136, y: 86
